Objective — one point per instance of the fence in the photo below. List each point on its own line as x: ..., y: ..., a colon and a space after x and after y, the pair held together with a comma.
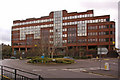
x: 8, y: 73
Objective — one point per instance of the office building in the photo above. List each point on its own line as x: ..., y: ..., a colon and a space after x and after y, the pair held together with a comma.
x: 64, y: 30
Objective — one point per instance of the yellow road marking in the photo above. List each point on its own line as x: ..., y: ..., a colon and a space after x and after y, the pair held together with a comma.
x: 106, y: 59
x: 6, y: 77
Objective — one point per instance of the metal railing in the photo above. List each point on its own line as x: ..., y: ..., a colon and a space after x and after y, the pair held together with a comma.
x: 9, y: 73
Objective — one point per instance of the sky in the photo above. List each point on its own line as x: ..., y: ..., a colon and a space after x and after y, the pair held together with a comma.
x: 11, y: 10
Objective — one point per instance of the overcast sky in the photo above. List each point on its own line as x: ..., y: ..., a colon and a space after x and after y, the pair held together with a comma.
x: 21, y: 9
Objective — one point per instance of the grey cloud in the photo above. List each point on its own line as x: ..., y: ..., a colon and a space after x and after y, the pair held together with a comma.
x: 5, y: 35
x: 100, y: 5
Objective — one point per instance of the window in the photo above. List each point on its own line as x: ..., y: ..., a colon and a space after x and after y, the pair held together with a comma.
x: 107, y: 26
x: 82, y: 40
x: 112, y: 26
x: 85, y: 15
x: 107, y: 32
x: 111, y: 39
x: 108, y: 19
x: 15, y: 44
x: 92, y: 27
x: 91, y: 21
x: 102, y: 40
x: 102, y: 33
x: 91, y: 15
x: 71, y: 35
x: 51, y: 36
x: 102, y: 27
x: 92, y: 40
x: 107, y: 39
x: 92, y: 33
x: 112, y: 32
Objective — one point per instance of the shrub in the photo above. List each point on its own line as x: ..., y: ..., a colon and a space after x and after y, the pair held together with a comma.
x: 62, y: 60
x: 59, y: 60
x: 49, y: 60
x: 84, y: 57
x: 76, y: 57
x: 89, y: 57
x: 68, y: 61
x: 29, y: 57
x: 58, y: 56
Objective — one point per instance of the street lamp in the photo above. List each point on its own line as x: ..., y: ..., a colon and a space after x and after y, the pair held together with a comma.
x: 51, y: 52
x: 100, y: 58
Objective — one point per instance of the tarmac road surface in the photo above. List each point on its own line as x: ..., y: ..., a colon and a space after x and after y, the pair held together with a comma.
x: 81, y: 69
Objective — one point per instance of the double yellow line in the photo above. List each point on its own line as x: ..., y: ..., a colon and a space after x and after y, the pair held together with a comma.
x: 6, y: 77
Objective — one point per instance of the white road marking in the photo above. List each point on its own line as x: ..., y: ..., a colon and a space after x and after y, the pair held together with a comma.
x: 73, y: 70
x: 36, y: 70
x: 114, y: 63
x: 82, y: 69
x: 51, y: 69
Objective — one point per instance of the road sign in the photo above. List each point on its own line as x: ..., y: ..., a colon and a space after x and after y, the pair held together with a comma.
x: 42, y: 56
x: 35, y: 45
x: 113, y: 42
x: 14, y: 52
x: 102, y: 50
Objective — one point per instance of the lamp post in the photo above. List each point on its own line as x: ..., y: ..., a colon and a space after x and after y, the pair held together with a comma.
x: 100, y: 58
x: 52, y: 53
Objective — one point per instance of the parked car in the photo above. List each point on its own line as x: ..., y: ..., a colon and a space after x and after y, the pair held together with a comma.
x: 12, y: 57
x: 68, y: 57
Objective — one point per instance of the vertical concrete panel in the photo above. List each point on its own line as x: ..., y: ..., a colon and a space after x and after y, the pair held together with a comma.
x: 118, y: 24
x: 119, y: 68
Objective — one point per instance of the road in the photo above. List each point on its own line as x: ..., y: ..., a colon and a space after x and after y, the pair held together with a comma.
x: 77, y: 70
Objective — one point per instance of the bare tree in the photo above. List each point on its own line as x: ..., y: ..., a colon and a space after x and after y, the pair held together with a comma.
x: 39, y: 48
x: 54, y: 49
x: 42, y: 47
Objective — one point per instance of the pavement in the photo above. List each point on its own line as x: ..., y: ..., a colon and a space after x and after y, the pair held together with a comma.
x: 103, y: 72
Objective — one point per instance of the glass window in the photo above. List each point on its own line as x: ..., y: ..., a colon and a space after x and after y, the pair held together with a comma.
x: 108, y: 19
x: 75, y: 16
x: 85, y: 15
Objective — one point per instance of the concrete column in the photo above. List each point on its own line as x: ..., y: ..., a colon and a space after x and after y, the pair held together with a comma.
x: 66, y: 51
x: 76, y: 48
x: 109, y: 47
x: 87, y: 48
x: 66, y: 48
x: 12, y: 51
x: 25, y: 49
x: 19, y: 49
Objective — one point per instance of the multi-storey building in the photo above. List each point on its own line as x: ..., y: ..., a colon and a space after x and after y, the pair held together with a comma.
x: 65, y: 30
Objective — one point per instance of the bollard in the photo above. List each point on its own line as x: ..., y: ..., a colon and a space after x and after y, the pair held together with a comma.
x: 107, y: 66
x: 118, y: 57
x: 20, y: 58
x: 97, y: 57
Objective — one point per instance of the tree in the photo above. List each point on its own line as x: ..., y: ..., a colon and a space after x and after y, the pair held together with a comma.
x: 6, y: 51
x: 112, y: 54
x: 40, y: 47
x: 54, y: 49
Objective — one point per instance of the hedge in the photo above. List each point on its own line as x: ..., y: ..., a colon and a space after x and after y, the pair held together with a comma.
x: 50, y: 60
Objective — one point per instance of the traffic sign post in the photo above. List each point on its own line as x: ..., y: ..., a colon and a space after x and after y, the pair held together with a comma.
x: 42, y: 58
x: 14, y: 52
x: 101, y: 50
